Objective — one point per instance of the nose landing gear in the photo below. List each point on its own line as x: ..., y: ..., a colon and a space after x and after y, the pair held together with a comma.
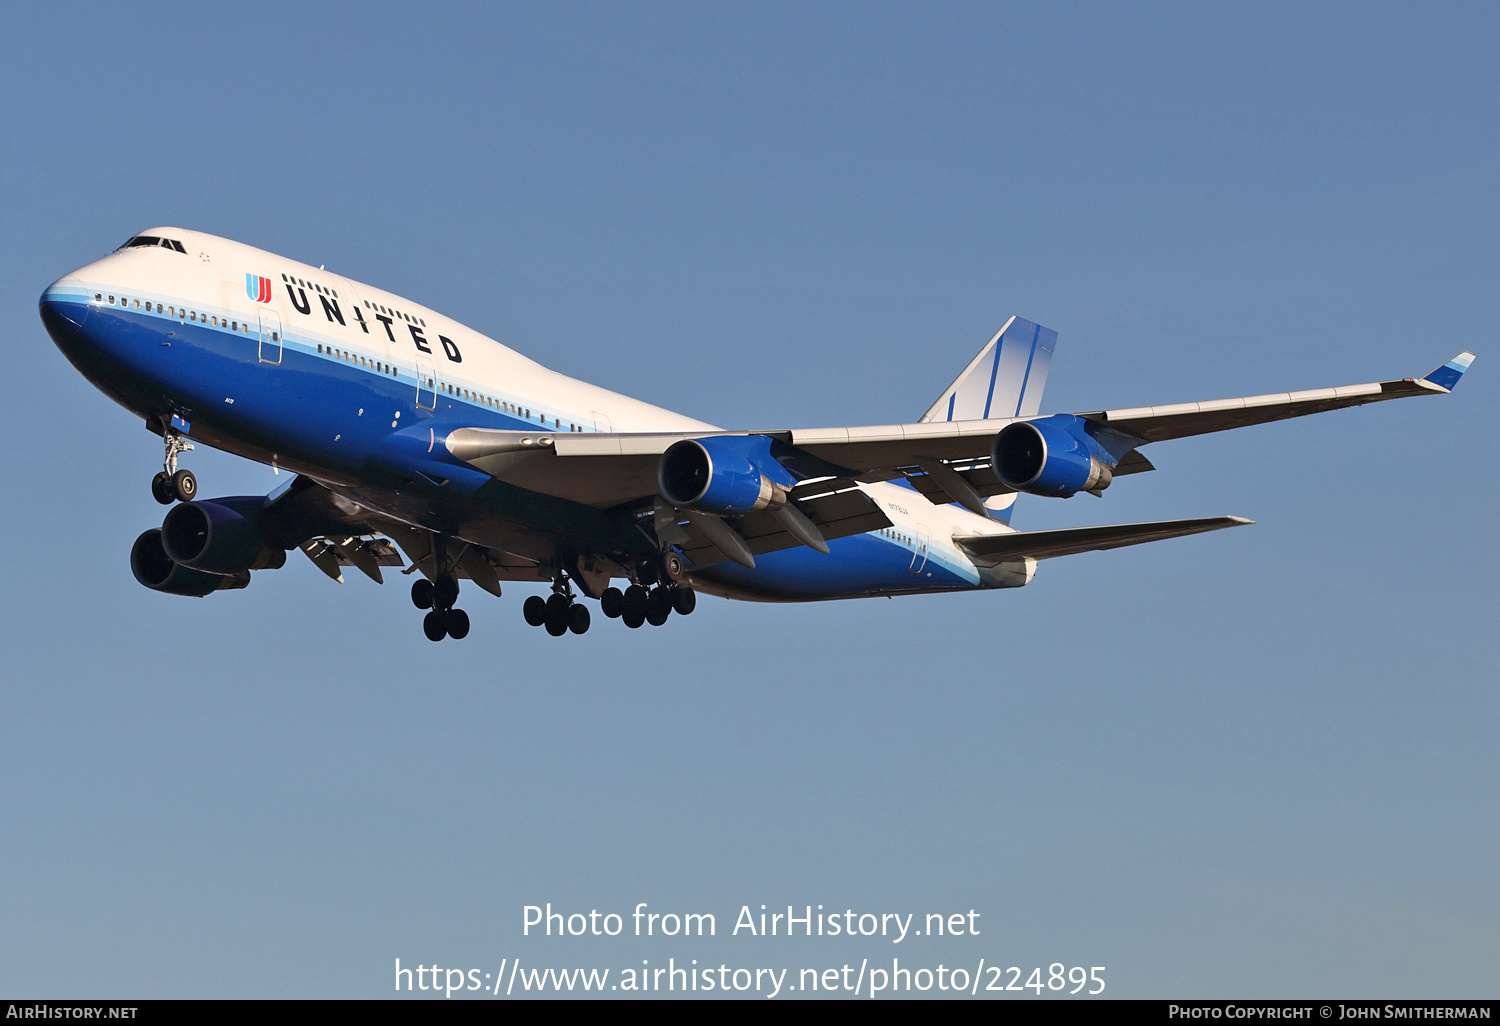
x: 173, y: 485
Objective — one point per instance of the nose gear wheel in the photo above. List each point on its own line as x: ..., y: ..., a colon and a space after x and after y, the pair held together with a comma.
x: 173, y: 485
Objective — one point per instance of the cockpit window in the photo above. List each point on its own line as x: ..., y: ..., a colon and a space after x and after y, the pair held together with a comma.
x: 153, y: 240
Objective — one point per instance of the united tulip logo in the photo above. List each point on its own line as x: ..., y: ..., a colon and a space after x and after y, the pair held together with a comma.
x: 258, y: 288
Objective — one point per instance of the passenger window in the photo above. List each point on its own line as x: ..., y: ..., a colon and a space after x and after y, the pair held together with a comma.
x: 234, y: 325
x: 111, y: 300
x: 275, y: 336
x: 158, y: 308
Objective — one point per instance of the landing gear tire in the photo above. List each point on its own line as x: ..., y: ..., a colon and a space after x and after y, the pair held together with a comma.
x: 534, y: 609
x: 184, y: 486
x: 578, y: 618
x: 434, y: 626
x: 612, y: 603
x: 421, y: 593
x: 456, y: 621
x: 444, y: 593
x: 161, y: 489
x: 557, y: 615
x: 684, y: 600
x: 634, y: 603
x: 658, y: 607
x: 632, y: 618
x: 673, y: 569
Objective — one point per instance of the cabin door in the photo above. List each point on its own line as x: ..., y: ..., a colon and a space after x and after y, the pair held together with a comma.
x: 919, y: 550
x: 426, y: 383
x: 270, y: 337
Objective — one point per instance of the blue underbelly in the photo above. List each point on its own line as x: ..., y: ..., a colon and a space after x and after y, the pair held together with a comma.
x: 860, y: 565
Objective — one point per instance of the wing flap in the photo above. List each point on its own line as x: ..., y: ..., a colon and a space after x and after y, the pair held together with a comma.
x: 837, y: 514
x: 996, y: 548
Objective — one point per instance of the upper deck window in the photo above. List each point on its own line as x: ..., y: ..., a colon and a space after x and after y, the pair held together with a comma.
x: 153, y: 240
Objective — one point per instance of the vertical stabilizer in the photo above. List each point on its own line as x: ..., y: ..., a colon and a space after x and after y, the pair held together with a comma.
x: 1004, y: 380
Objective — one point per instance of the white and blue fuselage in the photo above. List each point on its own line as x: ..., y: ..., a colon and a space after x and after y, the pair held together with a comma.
x: 353, y: 386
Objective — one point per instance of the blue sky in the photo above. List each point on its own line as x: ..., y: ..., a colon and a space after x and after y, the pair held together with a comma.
x: 1254, y: 763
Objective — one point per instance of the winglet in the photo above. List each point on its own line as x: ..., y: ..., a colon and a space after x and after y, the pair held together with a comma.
x: 1448, y: 374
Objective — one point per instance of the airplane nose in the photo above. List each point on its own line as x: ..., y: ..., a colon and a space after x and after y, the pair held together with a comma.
x: 64, y: 304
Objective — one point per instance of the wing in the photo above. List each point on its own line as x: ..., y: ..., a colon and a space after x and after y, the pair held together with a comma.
x: 948, y: 461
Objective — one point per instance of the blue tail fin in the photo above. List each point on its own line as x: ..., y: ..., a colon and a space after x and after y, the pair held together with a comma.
x: 1004, y: 380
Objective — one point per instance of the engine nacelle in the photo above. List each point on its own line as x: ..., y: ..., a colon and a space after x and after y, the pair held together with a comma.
x: 226, y: 536
x: 1053, y: 456
x: 155, y: 569
x: 729, y: 476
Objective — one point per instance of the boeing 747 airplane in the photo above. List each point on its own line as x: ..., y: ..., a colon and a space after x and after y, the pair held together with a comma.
x: 408, y: 433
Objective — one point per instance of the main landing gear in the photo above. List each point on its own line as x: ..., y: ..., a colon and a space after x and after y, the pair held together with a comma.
x: 655, y: 593
x: 173, y: 485
x: 640, y: 604
x: 443, y: 620
x: 559, y: 612
x: 438, y: 596
x: 636, y: 605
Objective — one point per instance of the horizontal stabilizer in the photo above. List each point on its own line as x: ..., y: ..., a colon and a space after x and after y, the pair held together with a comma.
x: 995, y: 548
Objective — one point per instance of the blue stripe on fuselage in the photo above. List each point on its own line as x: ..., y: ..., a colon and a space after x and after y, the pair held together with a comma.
x: 309, y: 408
x: 860, y: 565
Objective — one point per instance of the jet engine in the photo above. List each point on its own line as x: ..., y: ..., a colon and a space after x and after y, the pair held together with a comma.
x: 155, y: 569
x: 727, y: 475
x: 225, y: 536
x: 1053, y: 456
